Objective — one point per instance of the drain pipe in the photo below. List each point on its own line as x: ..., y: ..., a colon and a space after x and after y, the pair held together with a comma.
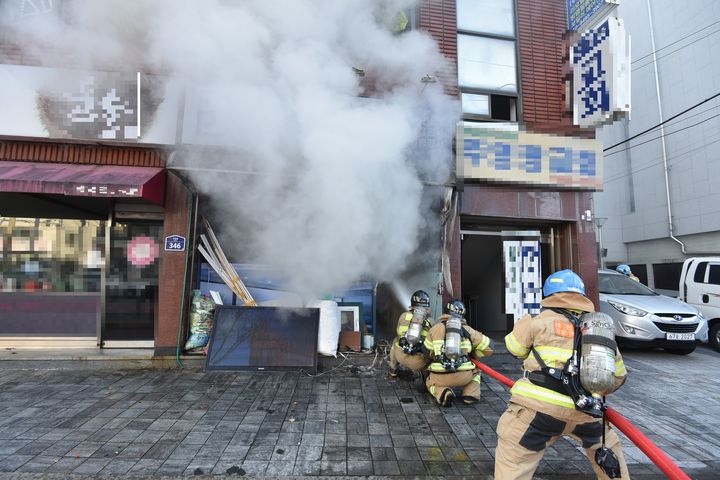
x: 671, y: 227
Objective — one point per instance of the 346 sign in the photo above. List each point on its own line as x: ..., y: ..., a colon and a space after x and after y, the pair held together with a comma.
x: 174, y: 243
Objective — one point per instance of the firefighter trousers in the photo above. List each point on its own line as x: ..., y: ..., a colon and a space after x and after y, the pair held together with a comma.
x: 469, y: 380
x: 416, y: 362
x: 523, y: 435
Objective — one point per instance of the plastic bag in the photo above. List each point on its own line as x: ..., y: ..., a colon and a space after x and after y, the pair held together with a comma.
x: 201, y: 320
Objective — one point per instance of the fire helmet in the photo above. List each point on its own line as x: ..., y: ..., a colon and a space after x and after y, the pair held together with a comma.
x: 420, y: 299
x: 563, y: 281
x: 624, y: 269
x: 456, y: 308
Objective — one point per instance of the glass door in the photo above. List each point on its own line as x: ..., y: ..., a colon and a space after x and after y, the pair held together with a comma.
x: 131, y: 284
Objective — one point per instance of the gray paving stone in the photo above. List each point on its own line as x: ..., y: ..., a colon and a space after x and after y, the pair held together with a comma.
x: 91, y: 466
x: 358, y: 453
x: 118, y: 466
x: 386, y: 467
x: 307, y: 467
x: 284, y: 453
x: 333, y: 467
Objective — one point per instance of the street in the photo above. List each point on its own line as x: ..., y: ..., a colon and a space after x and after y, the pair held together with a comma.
x: 352, y: 421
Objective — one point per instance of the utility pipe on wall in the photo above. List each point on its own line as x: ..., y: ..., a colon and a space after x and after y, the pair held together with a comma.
x: 671, y: 228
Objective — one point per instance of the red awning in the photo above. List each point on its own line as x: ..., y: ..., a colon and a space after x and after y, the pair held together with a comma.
x: 83, y: 180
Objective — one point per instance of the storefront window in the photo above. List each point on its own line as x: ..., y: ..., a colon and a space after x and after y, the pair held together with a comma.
x: 51, y: 255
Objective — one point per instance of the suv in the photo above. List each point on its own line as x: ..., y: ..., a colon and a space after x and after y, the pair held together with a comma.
x: 700, y: 286
x: 644, y: 318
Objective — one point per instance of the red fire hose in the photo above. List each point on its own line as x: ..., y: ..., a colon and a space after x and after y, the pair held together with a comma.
x: 657, y: 456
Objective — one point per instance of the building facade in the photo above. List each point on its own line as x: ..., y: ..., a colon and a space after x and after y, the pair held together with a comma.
x: 661, y: 184
x: 519, y: 211
x: 97, y: 229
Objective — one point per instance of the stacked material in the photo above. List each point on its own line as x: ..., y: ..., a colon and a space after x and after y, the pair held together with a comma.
x: 214, y: 255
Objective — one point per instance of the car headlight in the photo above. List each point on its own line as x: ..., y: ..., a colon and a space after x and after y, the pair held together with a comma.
x: 700, y: 315
x: 628, y: 310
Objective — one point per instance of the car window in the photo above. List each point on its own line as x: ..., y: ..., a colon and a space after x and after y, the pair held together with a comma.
x: 714, y: 275
x: 622, y: 285
x: 700, y: 272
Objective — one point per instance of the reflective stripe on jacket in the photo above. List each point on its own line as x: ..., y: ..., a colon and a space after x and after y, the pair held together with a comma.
x: 404, y: 324
x: 473, y: 344
x: 551, y: 335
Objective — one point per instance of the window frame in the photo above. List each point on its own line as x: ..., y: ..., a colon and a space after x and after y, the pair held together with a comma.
x: 515, y: 110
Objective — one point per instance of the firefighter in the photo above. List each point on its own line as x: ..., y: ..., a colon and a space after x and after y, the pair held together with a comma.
x: 412, y: 328
x: 625, y: 270
x: 540, y: 410
x: 449, y: 345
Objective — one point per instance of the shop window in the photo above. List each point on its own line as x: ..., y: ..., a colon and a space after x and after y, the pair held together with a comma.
x: 51, y: 255
x: 667, y: 275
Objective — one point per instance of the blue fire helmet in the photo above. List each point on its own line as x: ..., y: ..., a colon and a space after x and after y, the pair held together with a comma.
x: 624, y: 269
x: 563, y: 281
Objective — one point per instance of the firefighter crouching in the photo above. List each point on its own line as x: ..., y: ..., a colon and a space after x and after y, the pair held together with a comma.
x: 541, y: 410
x: 412, y: 328
x: 449, y: 345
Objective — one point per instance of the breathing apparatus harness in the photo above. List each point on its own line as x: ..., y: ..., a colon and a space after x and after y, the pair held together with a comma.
x: 569, y: 378
x: 452, y: 357
x: 411, y: 342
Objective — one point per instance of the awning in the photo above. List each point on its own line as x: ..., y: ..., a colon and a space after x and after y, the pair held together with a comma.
x: 108, y: 181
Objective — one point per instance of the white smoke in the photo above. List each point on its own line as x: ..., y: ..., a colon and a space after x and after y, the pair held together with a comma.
x: 338, y: 192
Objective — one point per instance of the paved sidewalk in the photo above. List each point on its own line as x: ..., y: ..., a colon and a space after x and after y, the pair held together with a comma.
x: 346, y: 422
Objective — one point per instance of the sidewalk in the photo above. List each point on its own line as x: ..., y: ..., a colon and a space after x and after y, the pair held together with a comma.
x: 345, y: 422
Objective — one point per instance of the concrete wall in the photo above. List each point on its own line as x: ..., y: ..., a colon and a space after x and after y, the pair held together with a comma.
x: 634, y: 199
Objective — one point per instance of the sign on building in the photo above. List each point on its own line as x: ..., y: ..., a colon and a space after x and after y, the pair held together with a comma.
x: 581, y: 13
x: 523, y: 282
x: 87, y: 105
x: 601, y: 75
x: 507, y: 155
x: 175, y: 243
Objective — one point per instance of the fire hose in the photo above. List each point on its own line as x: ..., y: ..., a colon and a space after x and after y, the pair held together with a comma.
x: 658, y: 457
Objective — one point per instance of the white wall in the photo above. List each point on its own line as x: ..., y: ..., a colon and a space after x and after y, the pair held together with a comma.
x: 634, y: 199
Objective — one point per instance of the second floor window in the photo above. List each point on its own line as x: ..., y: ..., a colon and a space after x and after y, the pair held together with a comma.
x: 487, y: 66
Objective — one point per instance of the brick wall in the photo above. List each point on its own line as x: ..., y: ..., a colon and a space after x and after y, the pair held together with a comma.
x: 541, y: 32
x: 26, y: 151
x: 438, y: 18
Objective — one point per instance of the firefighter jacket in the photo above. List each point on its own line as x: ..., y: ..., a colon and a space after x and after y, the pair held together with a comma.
x: 551, y: 335
x: 473, y: 344
x: 404, y: 323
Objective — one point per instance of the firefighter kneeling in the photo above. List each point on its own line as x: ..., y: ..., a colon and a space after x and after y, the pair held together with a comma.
x: 449, y: 345
x: 570, y: 361
x: 412, y: 328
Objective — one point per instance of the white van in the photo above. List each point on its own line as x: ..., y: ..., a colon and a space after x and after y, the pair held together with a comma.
x: 700, y: 286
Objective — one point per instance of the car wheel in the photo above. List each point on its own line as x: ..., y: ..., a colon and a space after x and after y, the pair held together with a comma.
x: 680, y: 350
x: 715, y: 336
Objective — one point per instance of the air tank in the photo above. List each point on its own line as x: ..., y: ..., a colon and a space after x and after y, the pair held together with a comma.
x: 453, y: 335
x: 597, y: 353
x: 414, y: 332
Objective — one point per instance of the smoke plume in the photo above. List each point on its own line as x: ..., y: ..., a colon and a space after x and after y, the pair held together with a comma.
x: 325, y: 182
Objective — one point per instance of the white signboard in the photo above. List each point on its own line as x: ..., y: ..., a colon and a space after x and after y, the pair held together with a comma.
x: 601, y: 75
x: 523, y: 281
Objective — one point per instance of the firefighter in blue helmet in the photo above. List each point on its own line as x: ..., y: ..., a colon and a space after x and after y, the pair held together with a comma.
x: 625, y: 270
x: 541, y: 408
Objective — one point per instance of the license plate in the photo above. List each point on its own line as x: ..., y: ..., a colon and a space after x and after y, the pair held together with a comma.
x: 680, y: 336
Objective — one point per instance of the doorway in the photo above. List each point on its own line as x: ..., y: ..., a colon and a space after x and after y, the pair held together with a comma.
x: 131, y: 290
x: 483, y: 274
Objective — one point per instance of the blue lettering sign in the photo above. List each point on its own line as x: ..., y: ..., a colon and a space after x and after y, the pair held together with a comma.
x: 174, y: 243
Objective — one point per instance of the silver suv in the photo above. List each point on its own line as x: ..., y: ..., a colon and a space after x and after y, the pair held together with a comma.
x: 644, y: 318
